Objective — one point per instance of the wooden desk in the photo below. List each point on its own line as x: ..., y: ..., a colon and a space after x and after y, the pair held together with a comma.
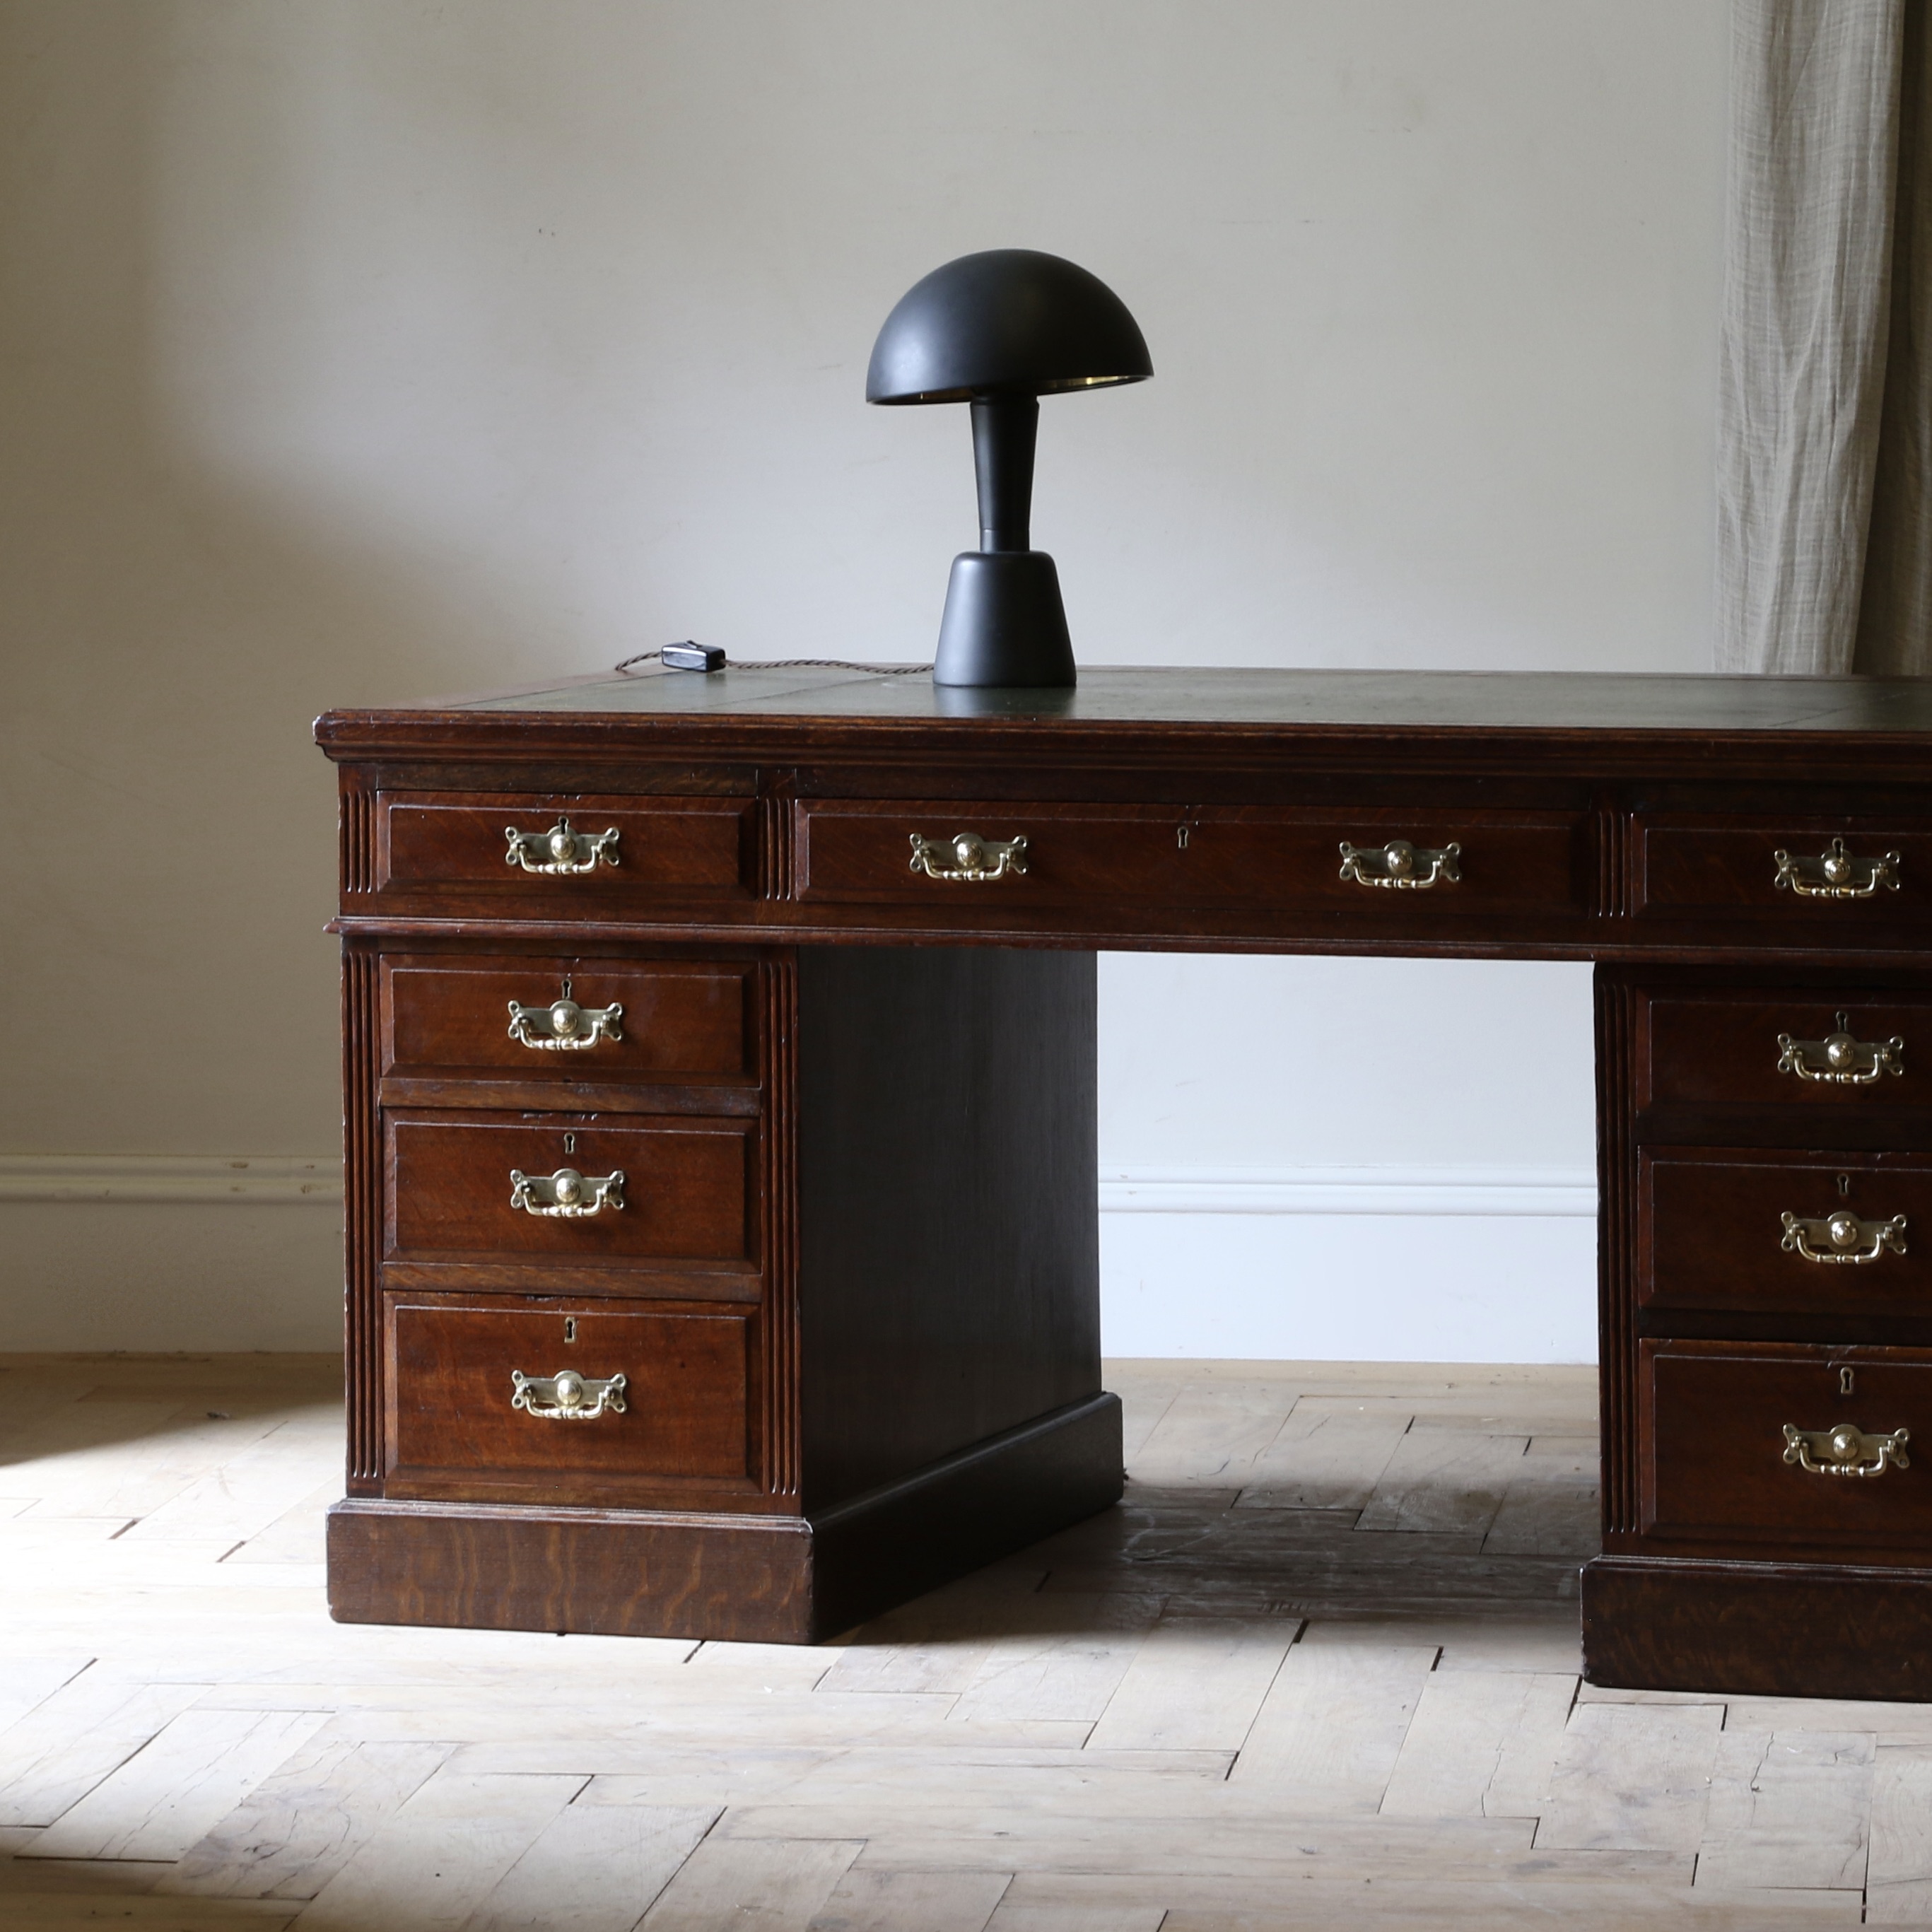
x: 843, y: 1066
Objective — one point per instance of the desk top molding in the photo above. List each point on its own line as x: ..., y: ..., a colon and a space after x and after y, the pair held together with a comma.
x: 1614, y: 725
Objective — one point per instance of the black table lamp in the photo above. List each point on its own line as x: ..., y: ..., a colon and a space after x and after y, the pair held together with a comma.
x: 1000, y: 330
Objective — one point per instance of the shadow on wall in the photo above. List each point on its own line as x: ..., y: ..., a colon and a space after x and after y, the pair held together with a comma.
x: 169, y: 632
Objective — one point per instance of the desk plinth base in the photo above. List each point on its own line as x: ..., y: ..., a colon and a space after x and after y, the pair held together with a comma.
x: 748, y: 1579
x: 1766, y: 1630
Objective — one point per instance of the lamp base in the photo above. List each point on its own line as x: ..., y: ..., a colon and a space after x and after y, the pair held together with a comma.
x: 1004, y: 622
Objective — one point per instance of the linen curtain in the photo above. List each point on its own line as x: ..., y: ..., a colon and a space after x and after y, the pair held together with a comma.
x: 1825, y: 400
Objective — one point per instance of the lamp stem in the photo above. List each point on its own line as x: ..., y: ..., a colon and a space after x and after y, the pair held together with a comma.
x: 1004, y: 429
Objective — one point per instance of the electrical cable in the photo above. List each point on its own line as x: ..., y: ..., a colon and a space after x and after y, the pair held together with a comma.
x: 790, y: 664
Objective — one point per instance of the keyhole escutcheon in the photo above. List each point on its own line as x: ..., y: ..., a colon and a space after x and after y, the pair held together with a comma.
x: 1845, y: 1381
x: 570, y: 1327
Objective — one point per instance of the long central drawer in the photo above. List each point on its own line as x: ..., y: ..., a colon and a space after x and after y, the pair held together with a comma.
x: 1490, y: 860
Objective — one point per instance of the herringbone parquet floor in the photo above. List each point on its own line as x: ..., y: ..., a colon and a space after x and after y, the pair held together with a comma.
x: 1320, y: 1670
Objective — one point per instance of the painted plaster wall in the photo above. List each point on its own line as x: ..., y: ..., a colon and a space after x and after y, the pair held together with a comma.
x: 355, y: 350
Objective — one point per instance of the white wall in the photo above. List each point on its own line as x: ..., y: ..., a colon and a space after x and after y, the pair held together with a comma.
x: 356, y: 350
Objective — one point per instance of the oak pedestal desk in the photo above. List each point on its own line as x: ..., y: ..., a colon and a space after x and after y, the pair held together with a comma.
x: 722, y: 1235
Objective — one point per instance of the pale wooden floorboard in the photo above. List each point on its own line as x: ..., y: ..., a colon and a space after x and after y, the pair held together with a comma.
x: 1019, y: 1915
x: 1448, y: 1481
x: 74, y: 1433
x: 1789, y: 1810
x: 1899, y: 1874
x: 1633, y: 1775
x: 774, y: 1885
x: 178, y: 1785
x: 969, y: 1773
x: 60, y: 1750
x: 1529, y: 1908
x: 26, y: 1682
x: 1321, y: 1903
x: 907, y: 1659
x: 593, y: 1869
x: 296, y: 1536
x: 1551, y: 1504
x: 866, y: 1901
x: 1890, y: 1723
x: 442, y: 1853
x: 58, y: 1912
x: 1195, y: 1684
x: 1480, y: 1746
x: 1328, y: 1737
x: 1255, y: 1839
x: 1209, y: 1437
x: 1319, y: 1669
x: 1056, y: 1671
x: 1325, y: 1460
x: 1541, y: 1638
x: 303, y: 1823
x: 248, y: 1491
x: 130, y: 1479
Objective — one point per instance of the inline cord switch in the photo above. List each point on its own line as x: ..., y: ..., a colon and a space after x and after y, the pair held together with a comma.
x: 691, y: 656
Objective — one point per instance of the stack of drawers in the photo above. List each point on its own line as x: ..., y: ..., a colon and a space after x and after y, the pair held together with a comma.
x: 573, y: 1286
x: 1768, y: 1243
x: 670, y: 1311
x: 607, y: 1254
x: 1780, y: 1286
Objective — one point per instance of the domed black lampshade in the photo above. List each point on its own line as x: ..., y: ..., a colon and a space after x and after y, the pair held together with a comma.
x: 1011, y: 320
x: 1000, y: 330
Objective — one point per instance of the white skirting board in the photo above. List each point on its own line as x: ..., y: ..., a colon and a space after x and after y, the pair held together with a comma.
x: 162, y: 1253
x: 1459, y: 1264
x: 1538, y: 1193
x: 1405, y: 1264
x: 260, y: 1180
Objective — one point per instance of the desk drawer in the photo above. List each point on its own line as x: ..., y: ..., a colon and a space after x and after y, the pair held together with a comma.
x: 568, y: 850
x: 459, y: 1427
x: 1808, y: 1047
x: 1155, y: 857
x: 1880, y: 869
x: 673, y: 1020
x: 686, y: 1194
x: 1712, y: 1233
x: 1718, y: 1467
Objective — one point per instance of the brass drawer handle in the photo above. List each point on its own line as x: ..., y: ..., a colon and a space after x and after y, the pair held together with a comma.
x: 1836, y: 875
x: 1401, y: 866
x: 564, y: 1027
x: 1842, y: 1237
x: 1838, y: 1060
x: 1845, y: 1450
x: 966, y: 855
x: 566, y: 1195
x: 560, y: 850
x: 567, y: 1396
